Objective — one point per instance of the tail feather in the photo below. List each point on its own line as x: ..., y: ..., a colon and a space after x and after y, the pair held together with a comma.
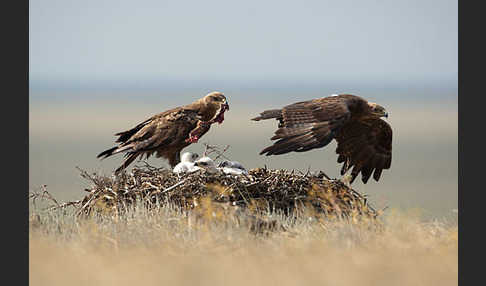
x: 113, y: 151
x: 268, y: 114
x: 129, y: 159
x: 107, y: 153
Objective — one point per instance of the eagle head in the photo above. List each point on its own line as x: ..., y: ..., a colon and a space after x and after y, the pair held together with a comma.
x: 377, y: 110
x: 216, y: 104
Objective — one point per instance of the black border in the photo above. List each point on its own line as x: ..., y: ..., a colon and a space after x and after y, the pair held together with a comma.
x: 15, y: 141
x: 470, y: 143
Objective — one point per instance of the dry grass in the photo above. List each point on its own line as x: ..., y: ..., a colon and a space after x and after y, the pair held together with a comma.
x: 162, y: 247
x: 217, y: 244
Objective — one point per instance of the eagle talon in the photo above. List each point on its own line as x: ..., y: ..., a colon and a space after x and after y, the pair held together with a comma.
x: 192, y: 139
x: 194, y: 135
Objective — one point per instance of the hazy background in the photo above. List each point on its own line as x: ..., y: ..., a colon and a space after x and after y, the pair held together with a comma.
x: 99, y: 67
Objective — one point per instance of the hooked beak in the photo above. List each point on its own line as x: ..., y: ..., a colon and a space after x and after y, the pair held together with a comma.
x: 225, y: 105
x: 219, y: 117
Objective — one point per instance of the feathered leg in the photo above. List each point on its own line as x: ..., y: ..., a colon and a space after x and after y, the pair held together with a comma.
x: 174, y: 158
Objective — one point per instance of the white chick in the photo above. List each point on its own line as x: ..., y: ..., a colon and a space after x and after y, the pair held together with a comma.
x: 187, y: 163
x: 232, y: 167
x: 207, y: 164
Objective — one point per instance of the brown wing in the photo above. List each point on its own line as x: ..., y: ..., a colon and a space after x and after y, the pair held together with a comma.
x: 167, y: 130
x: 365, y: 145
x: 309, y: 124
x: 163, y: 131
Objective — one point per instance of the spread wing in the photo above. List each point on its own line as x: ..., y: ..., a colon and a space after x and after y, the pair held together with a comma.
x: 365, y: 145
x: 307, y: 125
x: 169, y: 129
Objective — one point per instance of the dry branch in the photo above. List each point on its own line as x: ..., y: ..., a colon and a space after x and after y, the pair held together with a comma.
x: 261, y: 190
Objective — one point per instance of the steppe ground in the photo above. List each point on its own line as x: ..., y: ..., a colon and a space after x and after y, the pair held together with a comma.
x: 163, y: 246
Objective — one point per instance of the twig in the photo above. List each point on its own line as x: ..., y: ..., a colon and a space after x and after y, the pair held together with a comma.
x: 221, y: 154
x: 74, y: 203
x: 308, y: 172
x: 85, y: 205
x: 45, y: 194
x: 147, y: 165
x: 168, y: 189
x: 87, y: 176
x: 214, y: 149
x: 207, y: 148
x: 325, y: 175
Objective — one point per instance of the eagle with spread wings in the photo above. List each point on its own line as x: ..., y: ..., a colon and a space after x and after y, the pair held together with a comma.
x: 168, y: 132
x: 364, y: 140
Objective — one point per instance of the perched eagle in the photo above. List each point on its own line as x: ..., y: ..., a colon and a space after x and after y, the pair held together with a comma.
x: 169, y: 132
x: 364, y: 140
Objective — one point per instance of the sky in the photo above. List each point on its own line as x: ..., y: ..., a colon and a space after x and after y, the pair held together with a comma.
x: 123, y: 41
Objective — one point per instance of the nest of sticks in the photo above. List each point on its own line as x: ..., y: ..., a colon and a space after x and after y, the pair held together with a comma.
x: 218, y: 194
x: 261, y: 190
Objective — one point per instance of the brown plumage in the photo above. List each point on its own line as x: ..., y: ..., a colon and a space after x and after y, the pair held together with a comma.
x: 167, y: 133
x: 364, y: 140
